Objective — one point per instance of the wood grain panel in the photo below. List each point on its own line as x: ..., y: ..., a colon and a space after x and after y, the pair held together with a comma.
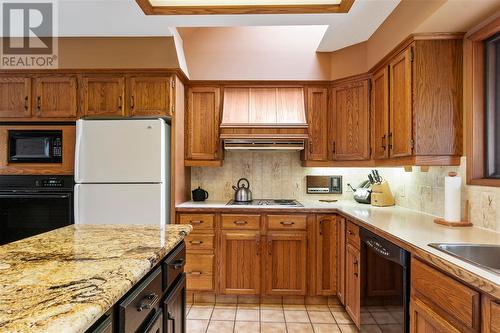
x: 287, y: 222
x: 240, y: 263
x: 237, y: 99
x: 290, y: 105
x: 490, y: 310
x: 199, y: 272
x: 401, y: 110
x: 241, y: 222
x: 449, y: 298
x: 286, y: 263
x: 150, y: 96
x: 350, y: 122
x: 15, y: 97
x: 56, y: 96
x: 380, y: 114
x: 64, y: 168
x: 437, y: 97
x: 317, y: 119
x: 263, y: 106
x: 202, y: 120
x: 424, y: 320
x: 103, y: 96
x: 326, y: 255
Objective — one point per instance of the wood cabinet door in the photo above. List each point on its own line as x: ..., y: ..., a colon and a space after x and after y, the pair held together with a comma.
x: 150, y: 96
x: 203, y: 118
x: 341, y: 243
x: 424, y: 320
x: 353, y: 286
x: 286, y: 263
x: 317, y: 119
x: 15, y: 97
x: 490, y: 315
x: 240, y: 263
x: 350, y: 122
x: 380, y: 114
x: 326, y: 255
x: 103, y: 96
x: 56, y: 97
x: 401, y: 109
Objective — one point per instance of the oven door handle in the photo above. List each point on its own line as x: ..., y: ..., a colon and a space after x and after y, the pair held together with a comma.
x: 35, y: 196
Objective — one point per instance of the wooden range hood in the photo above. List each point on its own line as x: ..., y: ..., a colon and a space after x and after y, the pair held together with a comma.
x: 264, y: 117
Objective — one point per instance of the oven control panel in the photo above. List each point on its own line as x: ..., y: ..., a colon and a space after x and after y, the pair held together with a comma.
x: 50, y: 182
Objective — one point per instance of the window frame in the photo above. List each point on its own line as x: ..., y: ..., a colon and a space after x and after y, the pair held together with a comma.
x: 475, y: 104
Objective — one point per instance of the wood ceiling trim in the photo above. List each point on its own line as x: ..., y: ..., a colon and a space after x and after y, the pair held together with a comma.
x: 149, y: 9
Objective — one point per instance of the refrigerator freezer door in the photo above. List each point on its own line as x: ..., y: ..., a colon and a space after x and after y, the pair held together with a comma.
x: 121, y: 151
x: 121, y: 204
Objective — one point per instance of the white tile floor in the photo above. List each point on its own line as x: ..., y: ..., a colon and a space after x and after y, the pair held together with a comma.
x: 278, y: 318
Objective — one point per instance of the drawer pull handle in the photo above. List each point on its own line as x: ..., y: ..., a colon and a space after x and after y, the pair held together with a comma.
x: 195, y: 242
x: 194, y: 273
x: 240, y: 222
x: 195, y: 222
x: 178, y: 264
x: 148, y: 301
x: 350, y: 232
x: 287, y: 223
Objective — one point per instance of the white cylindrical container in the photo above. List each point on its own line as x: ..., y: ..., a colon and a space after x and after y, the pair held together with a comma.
x: 452, y: 198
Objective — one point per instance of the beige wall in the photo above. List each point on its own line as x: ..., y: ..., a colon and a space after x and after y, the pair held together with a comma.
x: 255, y: 53
x: 117, y: 52
x: 348, y: 61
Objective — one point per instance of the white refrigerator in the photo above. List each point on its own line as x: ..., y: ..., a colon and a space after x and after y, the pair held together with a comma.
x: 122, y: 172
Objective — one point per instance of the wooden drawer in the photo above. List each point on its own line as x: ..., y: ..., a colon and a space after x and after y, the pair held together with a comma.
x: 352, y: 234
x: 144, y: 299
x: 199, y: 271
x: 287, y: 222
x: 451, y: 299
x: 200, y: 242
x: 240, y: 222
x: 173, y: 266
x: 198, y: 221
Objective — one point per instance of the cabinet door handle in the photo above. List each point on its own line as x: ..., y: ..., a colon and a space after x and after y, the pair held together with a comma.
x: 269, y: 245
x: 38, y: 103
x: 334, y: 148
x: 195, y: 222
x: 195, y: 242
x: 321, y: 223
x: 383, y: 142
x: 287, y: 223
x: 178, y: 264
x: 257, y: 243
x: 147, y: 302
x: 357, y: 269
x: 132, y: 102
x: 195, y: 273
x: 390, y: 141
x: 26, y: 103
x: 120, y: 104
x: 310, y: 147
x: 241, y: 222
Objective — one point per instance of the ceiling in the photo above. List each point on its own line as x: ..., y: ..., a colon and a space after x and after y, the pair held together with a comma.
x: 125, y: 18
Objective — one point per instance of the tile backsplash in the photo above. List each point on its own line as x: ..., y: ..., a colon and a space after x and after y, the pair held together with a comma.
x: 280, y: 175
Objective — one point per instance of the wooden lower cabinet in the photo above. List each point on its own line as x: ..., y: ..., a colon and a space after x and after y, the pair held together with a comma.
x: 286, y: 263
x: 424, y: 320
x: 239, y: 271
x: 352, y: 284
x: 491, y: 315
x: 326, y: 255
x: 341, y: 258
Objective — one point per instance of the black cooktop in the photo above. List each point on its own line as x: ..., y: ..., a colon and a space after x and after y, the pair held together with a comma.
x: 266, y: 202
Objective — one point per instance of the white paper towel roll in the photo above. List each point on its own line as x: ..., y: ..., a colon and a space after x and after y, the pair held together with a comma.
x: 452, y: 198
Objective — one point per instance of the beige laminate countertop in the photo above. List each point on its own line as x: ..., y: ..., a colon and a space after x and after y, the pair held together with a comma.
x: 410, y: 229
x: 66, y: 279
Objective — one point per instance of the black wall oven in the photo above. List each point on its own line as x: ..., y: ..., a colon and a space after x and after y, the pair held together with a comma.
x: 31, y: 205
x: 35, y: 146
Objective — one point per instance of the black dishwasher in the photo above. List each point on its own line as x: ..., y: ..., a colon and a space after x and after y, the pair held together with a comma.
x: 385, y: 283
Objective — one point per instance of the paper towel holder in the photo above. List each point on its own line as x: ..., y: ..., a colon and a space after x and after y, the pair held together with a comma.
x: 465, y: 222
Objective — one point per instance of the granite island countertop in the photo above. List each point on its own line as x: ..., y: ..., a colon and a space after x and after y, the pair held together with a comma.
x: 66, y: 279
x: 412, y: 230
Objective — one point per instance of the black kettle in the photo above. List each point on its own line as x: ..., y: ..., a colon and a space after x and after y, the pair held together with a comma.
x: 199, y: 194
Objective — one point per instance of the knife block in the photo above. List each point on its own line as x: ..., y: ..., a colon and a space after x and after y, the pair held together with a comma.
x: 382, y: 195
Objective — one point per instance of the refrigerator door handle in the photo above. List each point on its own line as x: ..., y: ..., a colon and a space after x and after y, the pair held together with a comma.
x: 79, y: 131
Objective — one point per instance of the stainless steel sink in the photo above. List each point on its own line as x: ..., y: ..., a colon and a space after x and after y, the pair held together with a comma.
x: 482, y: 255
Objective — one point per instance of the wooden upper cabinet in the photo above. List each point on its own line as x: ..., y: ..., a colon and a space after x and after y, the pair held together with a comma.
x: 317, y: 120
x: 380, y: 114
x: 56, y: 97
x: 286, y: 263
x: 15, y: 97
x: 202, y: 120
x: 240, y: 262
x: 326, y: 254
x: 353, y: 284
x: 150, y: 96
x: 350, y: 121
x: 103, y: 96
x: 401, y: 114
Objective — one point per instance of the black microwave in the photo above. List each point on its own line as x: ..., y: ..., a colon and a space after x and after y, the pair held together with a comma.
x: 35, y: 146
